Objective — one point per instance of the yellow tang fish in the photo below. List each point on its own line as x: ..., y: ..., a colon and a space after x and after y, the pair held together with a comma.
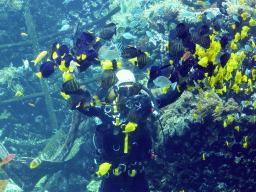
x: 199, y: 107
x: 217, y: 108
x: 227, y: 143
x: 207, y: 95
x: 195, y: 115
x: 230, y: 119
x: 237, y: 128
x: 203, y: 156
x: 225, y: 124
x: 104, y: 168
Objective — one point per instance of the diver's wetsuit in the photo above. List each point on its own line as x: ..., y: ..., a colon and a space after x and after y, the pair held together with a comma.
x: 109, y: 141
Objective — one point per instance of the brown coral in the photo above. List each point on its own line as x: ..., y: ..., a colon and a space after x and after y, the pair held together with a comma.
x: 208, y: 107
x: 231, y: 106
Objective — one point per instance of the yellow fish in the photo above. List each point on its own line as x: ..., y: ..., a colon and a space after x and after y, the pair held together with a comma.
x: 39, y: 74
x: 40, y: 57
x: 227, y: 143
x: 24, y: 34
x: 245, y: 145
x: 225, y: 124
x: 207, y: 95
x: 107, y: 65
x: 195, y: 115
x: 199, y: 17
x: 252, y: 22
x: 237, y: 128
x: 217, y: 108
x: 35, y: 163
x: 104, y: 168
x: 166, y: 47
x: 230, y: 119
x: 244, y: 16
x: 203, y: 156
x: 246, y: 138
x: 165, y: 89
x: 64, y: 95
x: 199, y: 107
x: 18, y: 94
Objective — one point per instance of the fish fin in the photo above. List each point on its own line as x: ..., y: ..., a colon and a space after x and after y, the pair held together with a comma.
x: 39, y: 74
x: 174, y: 85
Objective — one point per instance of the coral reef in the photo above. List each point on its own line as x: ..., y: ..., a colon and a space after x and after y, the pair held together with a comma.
x: 12, y: 5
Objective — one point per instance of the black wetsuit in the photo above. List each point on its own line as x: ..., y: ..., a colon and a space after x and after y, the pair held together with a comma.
x: 109, y: 141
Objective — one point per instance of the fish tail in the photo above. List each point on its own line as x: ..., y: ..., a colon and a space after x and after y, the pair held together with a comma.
x: 39, y: 74
x: 119, y: 64
x: 35, y: 62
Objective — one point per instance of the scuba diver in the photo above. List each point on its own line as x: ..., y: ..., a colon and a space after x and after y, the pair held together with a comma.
x: 122, y: 139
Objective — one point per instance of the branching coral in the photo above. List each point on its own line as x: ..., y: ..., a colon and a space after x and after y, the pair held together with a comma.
x: 233, y: 7
x: 8, y: 74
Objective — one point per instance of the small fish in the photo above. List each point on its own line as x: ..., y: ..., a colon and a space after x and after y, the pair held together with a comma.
x: 24, y: 34
x: 195, y: 115
x: 40, y: 57
x: 65, y: 27
x: 129, y: 36
x: 225, y: 124
x: 108, y: 31
x: 244, y: 16
x: 246, y: 138
x: 7, y: 159
x: 104, y: 168
x: 46, y: 69
x: 199, y: 107
x: 230, y: 119
x: 64, y: 95
x: 35, y: 163
x: 182, y: 31
x: 199, y: 17
x: 245, y: 145
x: 18, y: 94
x: 227, y: 143
x: 217, y: 108
x: 202, y: 3
x: 129, y: 52
x: 186, y: 56
x: 203, y: 156
x: 31, y: 104
x: 207, y: 95
x: 165, y: 89
x: 107, y: 65
x: 162, y: 82
x: 237, y: 128
x: 98, y: 103
x: 252, y: 22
